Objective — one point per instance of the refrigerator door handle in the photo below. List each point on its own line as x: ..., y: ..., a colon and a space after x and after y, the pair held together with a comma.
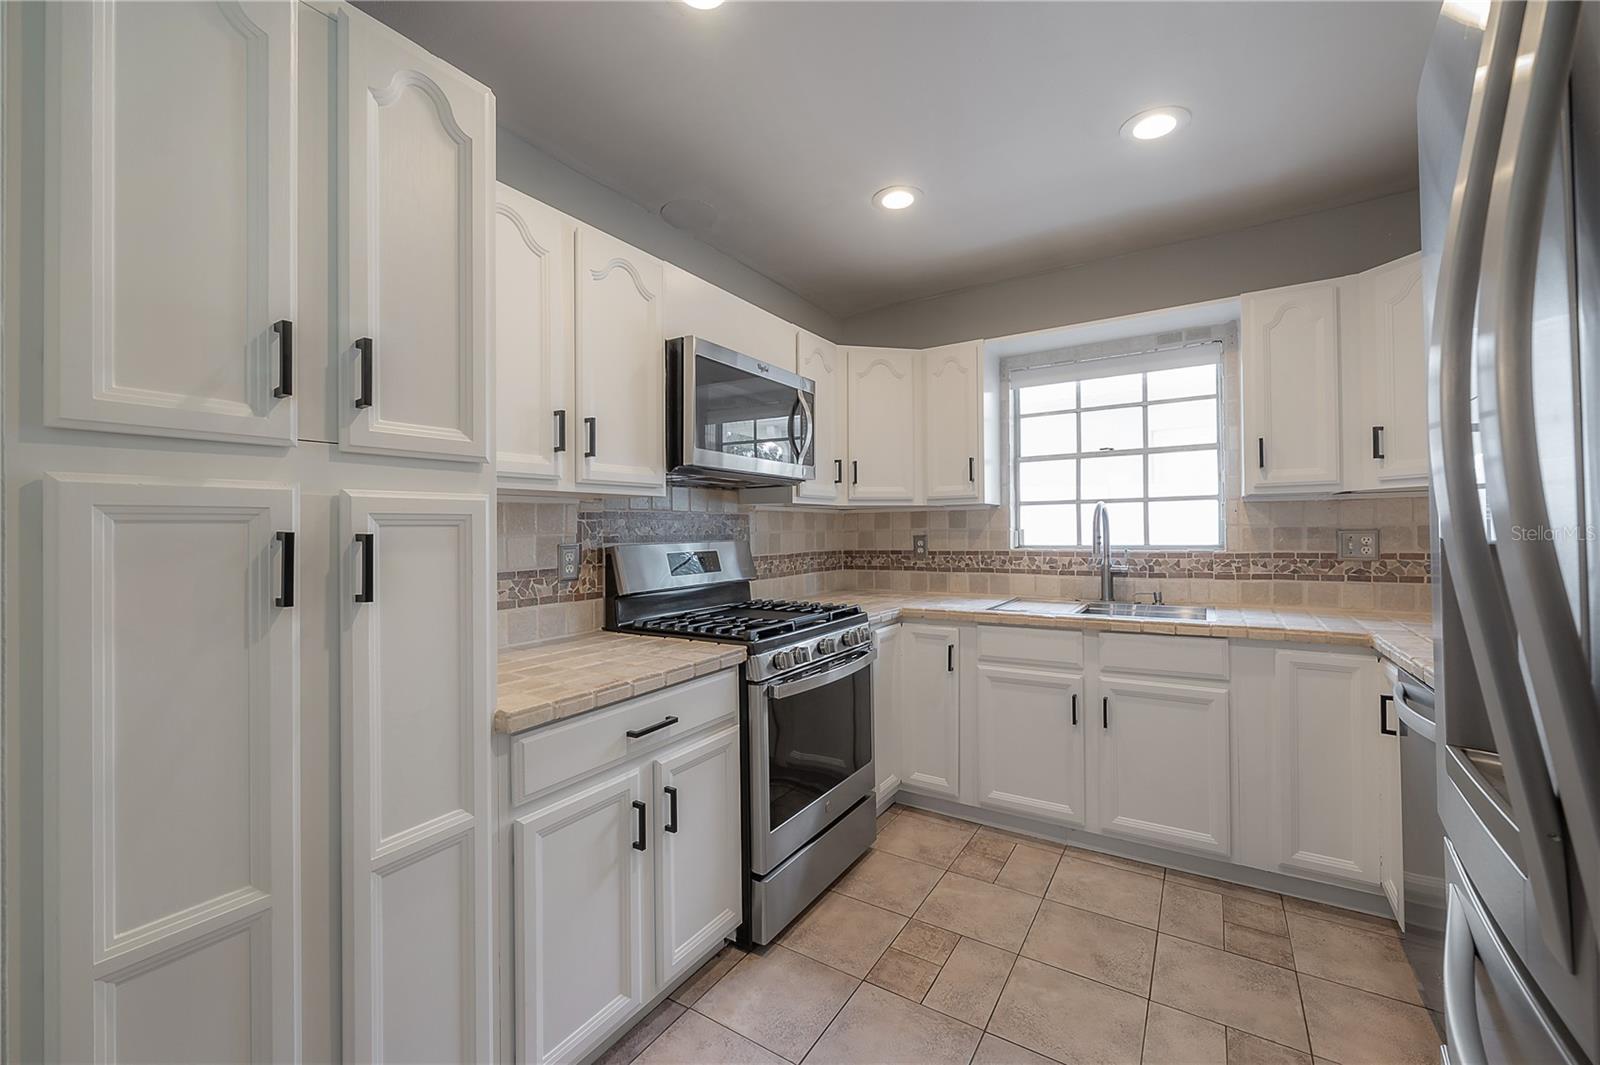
x: 1485, y: 612
x: 1558, y: 666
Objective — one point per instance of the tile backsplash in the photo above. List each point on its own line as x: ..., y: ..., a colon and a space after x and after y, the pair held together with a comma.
x: 1277, y: 552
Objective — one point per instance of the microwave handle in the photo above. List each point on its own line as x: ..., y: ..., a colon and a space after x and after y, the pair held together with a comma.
x: 803, y: 444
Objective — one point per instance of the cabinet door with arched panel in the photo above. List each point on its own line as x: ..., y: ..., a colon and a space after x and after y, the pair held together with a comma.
x: 882, y: 465
x: 824, y: 364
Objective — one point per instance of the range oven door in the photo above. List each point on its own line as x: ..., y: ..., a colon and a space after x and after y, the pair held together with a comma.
x: 810, y: 753
x: 734, y: 420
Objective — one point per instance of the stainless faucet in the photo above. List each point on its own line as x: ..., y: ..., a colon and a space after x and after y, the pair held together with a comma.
x: 1101, y: 552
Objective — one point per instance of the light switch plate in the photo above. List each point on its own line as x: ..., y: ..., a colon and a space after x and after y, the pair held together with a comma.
x: 568, y: 557
x: 1358, y: 543
x: 919, y: 544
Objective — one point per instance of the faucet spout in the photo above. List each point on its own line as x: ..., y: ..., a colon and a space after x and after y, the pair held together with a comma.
x: 1102, y: 548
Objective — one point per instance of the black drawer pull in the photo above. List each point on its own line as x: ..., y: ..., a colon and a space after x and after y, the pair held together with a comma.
x: 1074, y: 709
x: 1383, y: 716
x: 286, y: 589
x: 1105, y: 711
x: 1261, y: 452
x: 672, y: 810
x: 561, y: 431
x: 1377, y: 442
x: 949, y: 658
x: 368, y: 545
x: 638, y: 808
x: 285, y: 330
x: 855, y: 472
x: 588, y: 425
x: 838, y: 471
x: 972, y: 470
x: 666, y: 722
x: 364, y: 353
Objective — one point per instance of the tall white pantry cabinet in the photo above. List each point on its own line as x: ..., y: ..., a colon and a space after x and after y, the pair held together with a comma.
x: 248, y: 529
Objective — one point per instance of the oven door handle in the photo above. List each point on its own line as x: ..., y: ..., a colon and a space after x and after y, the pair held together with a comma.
x: 854, y: 664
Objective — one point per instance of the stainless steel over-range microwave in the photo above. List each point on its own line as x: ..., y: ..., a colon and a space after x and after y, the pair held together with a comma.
x: 734, y: 421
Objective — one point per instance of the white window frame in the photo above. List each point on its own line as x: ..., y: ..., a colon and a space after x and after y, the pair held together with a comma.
x: 1077, y: 371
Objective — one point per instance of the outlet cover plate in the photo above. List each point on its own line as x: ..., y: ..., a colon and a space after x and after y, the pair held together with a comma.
x: 919, y: 544
x: 1358, y: 543
x: 568, y: 558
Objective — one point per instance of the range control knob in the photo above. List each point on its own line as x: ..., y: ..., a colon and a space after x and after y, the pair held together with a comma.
x: 782, y: 660
x: 827, y: 645
x: 855, y: 637
x: 802, y: 655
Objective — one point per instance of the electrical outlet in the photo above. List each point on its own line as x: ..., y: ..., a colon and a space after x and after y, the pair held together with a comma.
x: 919, y: 544
x: 568, y: 558
x: 1358, y: 543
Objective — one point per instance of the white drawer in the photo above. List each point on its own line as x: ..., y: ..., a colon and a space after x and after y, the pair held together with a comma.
x: 1177, y: 656
x: 1045, y: 647
x: 561, y: 753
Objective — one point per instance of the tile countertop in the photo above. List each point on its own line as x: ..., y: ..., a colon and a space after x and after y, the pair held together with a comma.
x: 1404, y: 639
x: 556, y: 680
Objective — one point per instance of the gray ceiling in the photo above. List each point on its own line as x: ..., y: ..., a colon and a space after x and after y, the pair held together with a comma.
x: 786, y: 117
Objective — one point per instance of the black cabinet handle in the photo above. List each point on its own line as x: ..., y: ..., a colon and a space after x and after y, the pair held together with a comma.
x: 855, y: 472
x: 1105, y: 711
x: 364, y: 353
x: 672, y: 810
x: 561, y: 431
x: 972, y: 470
x: 949, y: 658
x: 1261, y: 452
x: 368, y: 546
x: 286, y: 589
x: 1377, y: 442
x: 1383, y: 716
x: 588, y: 427
x: 838, y: 471
x: 1074, y: 709
x: 285, y: 330
x: 666, y: 722
x: 638, y: 808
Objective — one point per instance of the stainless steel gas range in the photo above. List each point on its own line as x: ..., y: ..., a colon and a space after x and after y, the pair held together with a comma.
x: 806, y: 713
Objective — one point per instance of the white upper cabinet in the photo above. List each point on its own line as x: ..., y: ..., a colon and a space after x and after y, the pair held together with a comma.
x: 882, y: 464
x: 171, y: 286
x: 172, y: 706
x: 1390, y: 433
x: 692, y: 307
x: 952, y: 388
x: 1289, y: 351
x: 621, y: 366
x: 418, y: 203
x: 532, y: 340
x: 824, y: 364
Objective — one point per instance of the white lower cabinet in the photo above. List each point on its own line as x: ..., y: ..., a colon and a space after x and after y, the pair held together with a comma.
x: 1030, y: 741
x: 698, y: 835
x: 930, y: 694
x: 887, y: 730
x: 1165, y: 774
x: 1327, y: 765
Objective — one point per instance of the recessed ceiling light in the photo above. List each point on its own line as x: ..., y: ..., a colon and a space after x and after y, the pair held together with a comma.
x: 703, y: 5
x: 895, y: 197
x: 1154, y: 123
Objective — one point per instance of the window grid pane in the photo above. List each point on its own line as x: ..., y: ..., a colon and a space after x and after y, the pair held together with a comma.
x: 1147, y: 443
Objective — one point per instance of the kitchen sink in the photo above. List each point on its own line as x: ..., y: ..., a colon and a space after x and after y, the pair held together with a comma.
x: 1104, y: 609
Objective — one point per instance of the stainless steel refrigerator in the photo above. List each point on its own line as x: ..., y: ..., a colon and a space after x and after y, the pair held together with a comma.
x: 1509, y: 164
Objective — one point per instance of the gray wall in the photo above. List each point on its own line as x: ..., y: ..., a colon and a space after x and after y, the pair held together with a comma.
x: 1309, y: 247
x: 547, y: 179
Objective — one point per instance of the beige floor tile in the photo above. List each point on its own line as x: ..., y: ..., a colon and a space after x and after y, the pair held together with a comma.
x: 1340, y: 915
x: 970, y: 983
x: 993, y: 1050
x: 1172, y: 1037
x: 641, y: 1035
x: 1224, y: 887
x: 1238, y: 992
x: 1344, y: 954
x: 996, y: 915
x: 695, y: 1040
x: 931, y: 840
x: 843, y: 932
x: 1116, y: 861
x: 1356, y: 1027
x: 993, y: 843
x: 903, y: 974
x: 1247, y: 1049
x: 879, y: 1028
x: 1191, y: 913
x: 889, y: 881
x: 1251, y: 913
x: 1068, y: 1017
x: 1106, y: 889
x: 888, y: 815
x: 926, y: 942
x: 707, y: 975
x: 1029, y: 870
x: 1090, y: 944
x: 1274, y: 950
x: 977, y: 865
x: 1000, y: 835
x: 780, y: 999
